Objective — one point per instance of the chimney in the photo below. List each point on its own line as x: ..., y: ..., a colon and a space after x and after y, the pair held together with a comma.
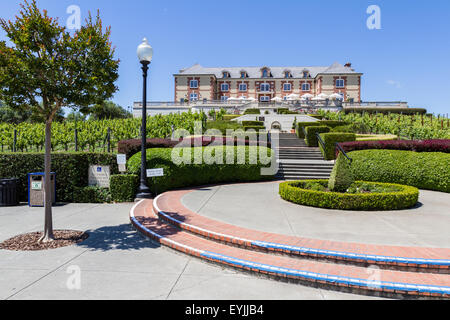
x: 348, y: 65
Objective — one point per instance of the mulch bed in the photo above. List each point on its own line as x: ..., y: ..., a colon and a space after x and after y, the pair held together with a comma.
x: 29, y: 241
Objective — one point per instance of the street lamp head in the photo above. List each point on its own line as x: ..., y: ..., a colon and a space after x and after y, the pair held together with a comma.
x: 145, y: 52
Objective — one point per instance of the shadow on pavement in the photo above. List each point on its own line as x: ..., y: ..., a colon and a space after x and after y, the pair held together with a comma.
x: 121, y: 237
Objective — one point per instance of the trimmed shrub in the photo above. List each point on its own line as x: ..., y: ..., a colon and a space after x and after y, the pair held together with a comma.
x: 71, y: 170
x: 223, y: 126
x: 406, y: 145
x: 402, y: 197
x: 124, y: 187
x: 91, y: 195
x: 376, y: 137
x: 326, y: 123
x: 133, y: 146
x: 424, y: 170
x: 315, y: 116
x: 341, y: 177
x: 311, y: 138
x: 252, y: 111
x: 253, y: 123
x: 331, y: 139
x: 185, y: 175
x: 353, y: 128
x: 408, y: 111
x: 229, y: 117
x: 256, y: 128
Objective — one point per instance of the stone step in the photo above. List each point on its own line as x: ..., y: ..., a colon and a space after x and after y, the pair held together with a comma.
x: 151, y: 221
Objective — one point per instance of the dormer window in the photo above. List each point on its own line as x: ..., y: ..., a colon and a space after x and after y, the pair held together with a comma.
x: 226, y: 74
x: 305, y: 74
x: 287, y: 74
x: 265, y: 73
x: 244, y: 75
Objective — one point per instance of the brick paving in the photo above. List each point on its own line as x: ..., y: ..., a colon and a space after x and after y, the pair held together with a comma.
x: 144, y: 218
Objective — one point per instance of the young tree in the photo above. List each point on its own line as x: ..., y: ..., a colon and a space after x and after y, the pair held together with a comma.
x: 47, y: 68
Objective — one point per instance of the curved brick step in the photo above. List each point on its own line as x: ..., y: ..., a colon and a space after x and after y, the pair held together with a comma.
x: 435, y: 260
x: 350, y: 278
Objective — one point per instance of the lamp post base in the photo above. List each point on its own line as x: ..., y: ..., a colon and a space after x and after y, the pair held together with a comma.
x: 144, y: 193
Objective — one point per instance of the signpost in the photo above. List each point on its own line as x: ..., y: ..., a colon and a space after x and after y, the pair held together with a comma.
x: 99, y: 176
x: 122, y: 162
x: 154, y: 173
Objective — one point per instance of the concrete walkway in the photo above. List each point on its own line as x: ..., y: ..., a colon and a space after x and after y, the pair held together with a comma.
x: 259, y: 207
x: 117, y: 263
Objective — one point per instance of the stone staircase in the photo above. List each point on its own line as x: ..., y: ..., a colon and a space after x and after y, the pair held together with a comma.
x: 299, y: 162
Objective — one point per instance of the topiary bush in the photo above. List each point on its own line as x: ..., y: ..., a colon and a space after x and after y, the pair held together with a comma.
x: 311, y: 135
x: 326, y: 123
x: 71, y: 170
x: 396, y: 197
x: 124, y: 187
x: 185, y: 175
x: 341, y: 177
x: 406, y: 145
x: 331, y: 139
x: 424, y: 170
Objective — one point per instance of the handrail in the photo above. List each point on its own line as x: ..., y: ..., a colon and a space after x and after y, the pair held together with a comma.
x: 304, y: 132
x: 338, y: 146
x: 322, y: 143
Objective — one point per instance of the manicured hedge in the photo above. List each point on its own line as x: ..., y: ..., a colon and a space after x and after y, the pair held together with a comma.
x: 331, y: 139
x: 326, y: 123
x: 256, y: 128
x: 184, y: 175
x: 406, y: 145
x: 71, y: 170
x: 315, y: 116
x: 252, y: 111
x: 133, y: 146
x: 223, y: 126
x: 91, y: 195
x: 124, y: 187
x: 405, y: 197
x: 386, y: 110
x: 253, y: 123
x: 229, y: 117
x: 424, y: 170
x: 311, y: 138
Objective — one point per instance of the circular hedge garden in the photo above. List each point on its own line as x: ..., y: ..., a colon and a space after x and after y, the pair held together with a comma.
x: 383, y: 196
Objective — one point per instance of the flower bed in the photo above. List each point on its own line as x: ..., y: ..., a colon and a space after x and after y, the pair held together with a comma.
x: 363, y: 196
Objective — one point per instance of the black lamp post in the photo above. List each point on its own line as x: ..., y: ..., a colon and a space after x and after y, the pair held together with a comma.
x: 145, y: 54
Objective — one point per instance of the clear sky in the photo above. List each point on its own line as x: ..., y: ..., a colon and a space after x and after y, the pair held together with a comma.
x: 407, y: 59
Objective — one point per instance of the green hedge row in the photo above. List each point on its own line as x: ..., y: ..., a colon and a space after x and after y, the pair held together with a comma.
x: 326, y: 123
x: 311, y: 137
x: 71, y: 171
x: 185, y: 175
x: 91, y: 195
x: 252, y: 111
x: 330, y: 139
x: 405, y: 197
x: 229, y: 117
x: 424, y: 170
x: 124, y: 187
x: 256, y: 128
x: 253, y: 123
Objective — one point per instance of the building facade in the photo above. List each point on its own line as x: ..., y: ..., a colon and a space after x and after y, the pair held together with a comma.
x: 263, y: 84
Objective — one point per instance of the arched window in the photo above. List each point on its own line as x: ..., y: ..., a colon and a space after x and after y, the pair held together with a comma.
x: 244, y: 75
x: 287, y: 74
x: 305, y: 73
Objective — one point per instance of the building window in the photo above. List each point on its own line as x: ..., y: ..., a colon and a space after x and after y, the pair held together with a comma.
x: 287, y: 87
x: 340, y: 83
x: 243, y: 87
x: 287, y: 74
x: 306, y: 87
x: 264, y: 99
x: 193, y: 97
x: 265, y: 73
x: 305, y: 74
x: 226, y: 74
x: 224, y: 87
x: 193, y: 84
x: 224, y: 98
x: 244, y: 75
x: 265, y: 87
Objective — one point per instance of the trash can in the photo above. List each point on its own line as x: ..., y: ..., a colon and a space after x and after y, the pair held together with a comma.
x: 36, y: 185
x: 8, y: 192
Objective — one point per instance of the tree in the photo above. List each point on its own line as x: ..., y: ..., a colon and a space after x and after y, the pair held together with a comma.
x: 108, y: 110
x: 341, y: 177
x: 75, y: 116
x: 47, y: 68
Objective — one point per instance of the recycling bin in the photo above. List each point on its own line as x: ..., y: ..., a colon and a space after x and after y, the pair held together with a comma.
x: 8, y: 192
x: 36, y: 185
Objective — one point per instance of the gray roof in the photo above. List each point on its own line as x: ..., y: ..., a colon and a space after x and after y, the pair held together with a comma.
x: 277, y: 72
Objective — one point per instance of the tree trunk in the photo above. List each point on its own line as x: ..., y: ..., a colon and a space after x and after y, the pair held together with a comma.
x: 48, y: 226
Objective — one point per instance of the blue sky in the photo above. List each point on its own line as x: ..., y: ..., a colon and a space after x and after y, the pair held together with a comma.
x: 408, y: 59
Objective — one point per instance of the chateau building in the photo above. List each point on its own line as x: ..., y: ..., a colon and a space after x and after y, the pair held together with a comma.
x: 265, y: 83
